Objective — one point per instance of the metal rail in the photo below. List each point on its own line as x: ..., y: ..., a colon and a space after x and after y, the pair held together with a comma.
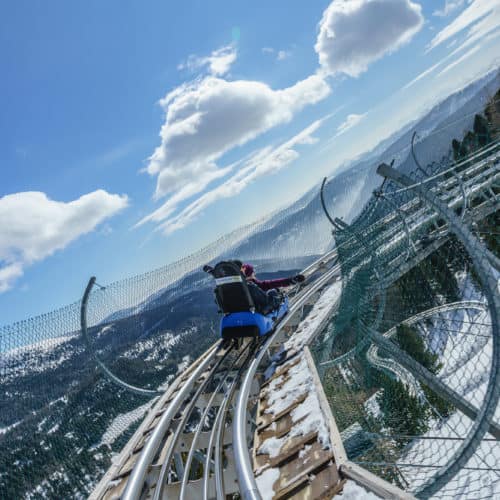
x: 180, y: 426
x: 483, y: 421
x: 246, y: 479
x: 204, y: 373
x: 199, y: 427
x: 135, y: 483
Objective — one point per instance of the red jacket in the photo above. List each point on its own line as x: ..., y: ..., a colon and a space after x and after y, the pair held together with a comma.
x: 269, y: 284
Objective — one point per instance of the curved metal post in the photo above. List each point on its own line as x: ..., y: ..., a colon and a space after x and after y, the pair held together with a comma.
x: 464, y: 194
x: 111, y: 376
x: 329, y: 217
x: 419, y: 167
x: 322, y: 363
x: 398, y: 210
x: 483, y: 421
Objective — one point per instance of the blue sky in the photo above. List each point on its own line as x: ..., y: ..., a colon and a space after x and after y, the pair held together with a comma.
x: 255, y: 102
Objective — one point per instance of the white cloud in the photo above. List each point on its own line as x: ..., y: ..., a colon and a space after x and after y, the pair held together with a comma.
x: 283, y: 54
x: 218, y: 62
x: 8, y: 274
x: 210, y: 116
x: 460, y: 59
x: 485, y: 11
x: 484, y: 22
x: 425, y: 73
x: 263, y: 162
x: 353, y: 34
x: 449, y: 7
x: 351, y: 121
x: 32, y: 226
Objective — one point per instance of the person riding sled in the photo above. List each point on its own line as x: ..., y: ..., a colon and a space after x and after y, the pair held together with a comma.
x: 265, y: 293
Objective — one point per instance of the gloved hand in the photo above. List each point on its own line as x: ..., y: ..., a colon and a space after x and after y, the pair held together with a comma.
x: 299, y: 278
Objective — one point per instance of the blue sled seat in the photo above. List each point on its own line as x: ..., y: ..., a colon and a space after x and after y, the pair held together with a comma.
x: 235, y: 301
x: 251, y: 324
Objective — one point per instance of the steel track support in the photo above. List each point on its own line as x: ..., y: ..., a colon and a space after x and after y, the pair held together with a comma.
x: 483, y: 422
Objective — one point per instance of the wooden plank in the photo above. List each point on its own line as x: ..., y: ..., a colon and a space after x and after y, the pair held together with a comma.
x: 335, y: 439
x: 265, y: 419
x: 115, y: 491
x: 291, y: 446
x: 127, y: 466
x: 282, y: 369
x: 325, y: 484
x: 277, y: 429
x: 297, y: 471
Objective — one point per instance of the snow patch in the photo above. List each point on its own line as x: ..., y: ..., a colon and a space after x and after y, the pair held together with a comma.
x: 352, y: 491
x: 122, y: 422
x: 4, y: 430
x: 307, y: 328
x: 265, y: 482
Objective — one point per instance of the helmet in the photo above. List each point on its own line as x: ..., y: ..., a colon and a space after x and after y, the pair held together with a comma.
x: 248, y: 270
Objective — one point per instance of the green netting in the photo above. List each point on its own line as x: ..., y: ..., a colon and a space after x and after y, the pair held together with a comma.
x: 69, y: 404
x: 408, y: 362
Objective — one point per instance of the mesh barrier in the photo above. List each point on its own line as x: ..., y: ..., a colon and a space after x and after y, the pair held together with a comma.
x: 69, y: 402
x: 410, y: 361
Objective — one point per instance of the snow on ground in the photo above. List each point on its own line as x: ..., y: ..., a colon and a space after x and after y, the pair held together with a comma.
x: 122, y: 422
x: 265, y: 482
x: 371, y: 405
x: 307, y: 416
x: 281, y: 393
x: 36, y: 358
x: 466, y: 358
x: 321, y: 310
x: 471, y: 481
x: 44, y: 346
x: 157, y: 349
x: 184, y: 363
x: 4, y: 430
x: 352, y: 491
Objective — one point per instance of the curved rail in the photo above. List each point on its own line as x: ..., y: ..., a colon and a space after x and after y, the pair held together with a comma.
x: 136, y: 481
x: 109, y: 374
x: 180, y: 426
x: 244, y: 471
x: 487, y: 411
x: 186, y: 397
x: 391, y: 364
x: 202, y: 375
x: 199, y: 427
x: 328, y: 216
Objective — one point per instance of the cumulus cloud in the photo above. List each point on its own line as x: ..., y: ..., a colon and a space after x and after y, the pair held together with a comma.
x: 218, y: 62
x: 448, y: 7
x: 32, y: 226
x: 486, y: 13
x: 354, y: 33
x: 263, y: 162
x: 210, y: 116
x: 351, y: 121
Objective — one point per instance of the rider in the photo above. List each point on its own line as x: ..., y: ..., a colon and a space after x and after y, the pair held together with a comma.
x: 249, y: 273
x: 264, y: 292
